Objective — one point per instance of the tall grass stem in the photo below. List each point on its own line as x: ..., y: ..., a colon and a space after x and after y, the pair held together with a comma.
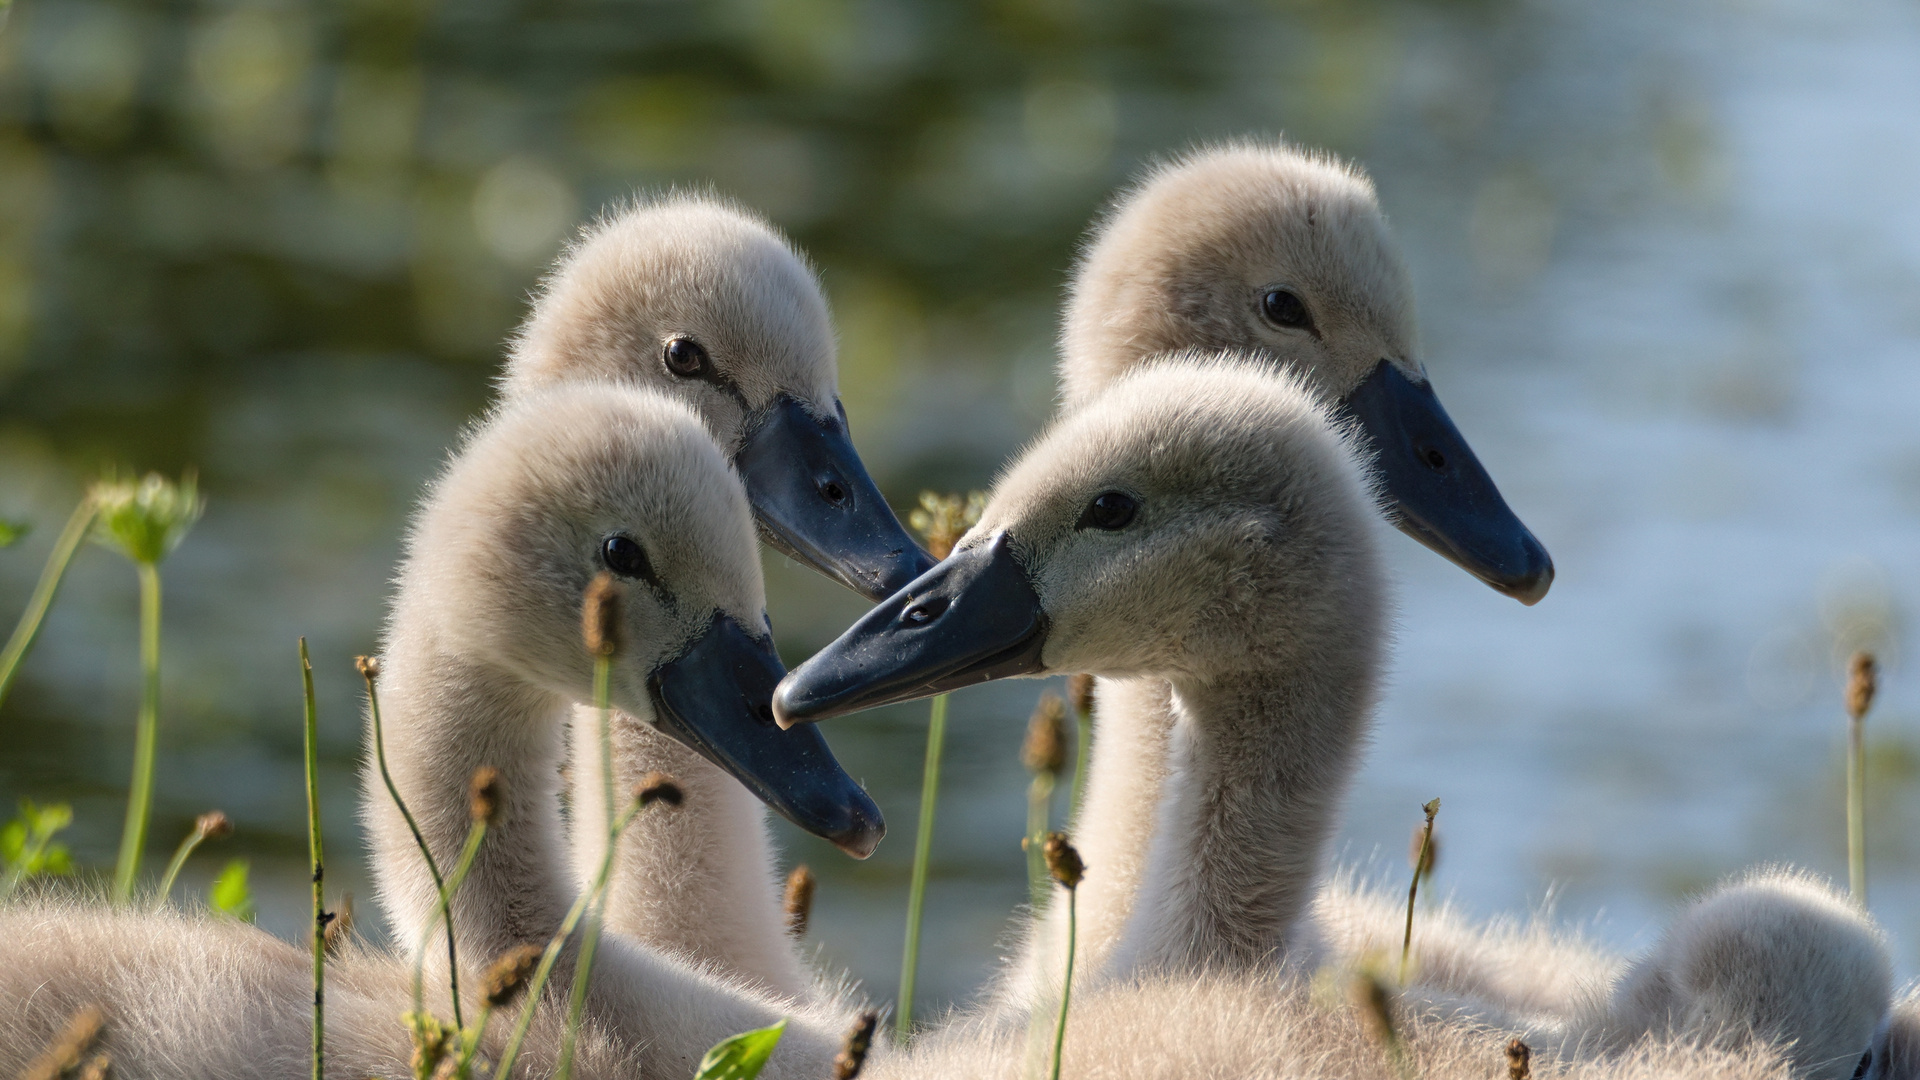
x: 1857, y: 809
x: 590, y: 937
x: 179, y: 861
x: 476, y: 833
x: 922, y: 855
x: 559, y: 940
x: 316, y: 857
x: 133, y: 838
x: 1066, y: 988
x: 1039, y: 815
x: 369, y: 669
x: 1413, y: 890
x: 28, y: 629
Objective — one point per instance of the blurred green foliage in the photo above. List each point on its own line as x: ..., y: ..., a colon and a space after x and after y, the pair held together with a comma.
x: 191, y: 188
x: 27, y: 847
x: 231, y: 895
x: 12, y: 531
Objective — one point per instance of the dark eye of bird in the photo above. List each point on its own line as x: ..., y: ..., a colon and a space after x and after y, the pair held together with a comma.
x: 686, y: 358
x: 625, y: 557
x: 1285, y: 309
x: 1109, y: 510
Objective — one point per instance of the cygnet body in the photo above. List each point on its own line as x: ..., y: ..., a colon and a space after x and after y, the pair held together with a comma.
x: 483, y: 661
x: 1279, y: 259
x: 703, y: 301
x: 1205, y: 524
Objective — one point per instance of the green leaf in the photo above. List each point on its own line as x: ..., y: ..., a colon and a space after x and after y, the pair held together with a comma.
x: 26, y: 841
x: 11, y: 531
x: 230, y: 894
x: 741, y: 1057
x: 57, y: 861
x: 49, y: 819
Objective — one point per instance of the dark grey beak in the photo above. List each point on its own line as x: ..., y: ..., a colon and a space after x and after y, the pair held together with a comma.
x: 972, y: 618
x: 1440, y: 494
x: 815, y: 502
x: 715, y: 698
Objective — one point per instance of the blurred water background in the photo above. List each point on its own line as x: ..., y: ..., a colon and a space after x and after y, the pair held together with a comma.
x: 1668, y: 260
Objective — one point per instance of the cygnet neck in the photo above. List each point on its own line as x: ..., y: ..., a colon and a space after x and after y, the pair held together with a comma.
x: 447, y: 713
x: 1259, y: 765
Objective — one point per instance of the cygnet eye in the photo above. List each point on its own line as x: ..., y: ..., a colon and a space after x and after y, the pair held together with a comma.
x: 1109, y: 510
x: 625, y: 557
x: 686, y: 358
x: 1283, y: 308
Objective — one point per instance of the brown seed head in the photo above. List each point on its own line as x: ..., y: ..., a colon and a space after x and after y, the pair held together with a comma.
x: 1063, y: 862
x: 368, y: 666
x: 600, y: 617
x: 1423, y: 865
x: 1519, y: 1060
x: 508, y: 975
x: 657, y: 786
x: 853, y: 1051
x: 1432, y: 807
x: 941, y: 520
x: 1080, y: 694
x: 1375, y: 1003
x: 339, y: 926
x: 484, y: 792
x: 431, y: 1042
x: 1045, y: 750
x: 65, y: 1053
x: 1863, y: 679
x: 213, y: 825
x: 799, y: 900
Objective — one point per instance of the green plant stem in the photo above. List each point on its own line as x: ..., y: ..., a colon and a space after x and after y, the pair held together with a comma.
x: 1039, y: 807
x: 1413, y: 890
x: 475, y: 834
x: 559, y: 940
x: 470, y: 1044
x: 314, y: 855
x: 1066, y: 988
x: 31, y: 620
x: 426, y: 853
x: 179, y: 861
x: 30, y: 853
x: 1857, y: 809
x: 922, y: 855
x: 133, y: 838
x: 590, y: 937
x: 1082, y: 754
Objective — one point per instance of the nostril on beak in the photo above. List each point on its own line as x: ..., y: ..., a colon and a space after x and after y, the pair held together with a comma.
x: 833, y: 491
x: 1435, y: 459
x: 924, y: 612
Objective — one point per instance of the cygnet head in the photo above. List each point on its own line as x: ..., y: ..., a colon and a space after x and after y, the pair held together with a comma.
x: 1285, y: 258
x: 1198, y: 521
x: 703, y: 301
x: 562, y: 485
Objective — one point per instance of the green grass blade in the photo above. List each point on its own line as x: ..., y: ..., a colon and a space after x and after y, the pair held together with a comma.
x: 38, y: 604
x: 922, y: 855
x: 314, y: 849
x: 133, y: 837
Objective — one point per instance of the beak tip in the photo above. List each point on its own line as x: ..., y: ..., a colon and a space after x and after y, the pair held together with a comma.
x: 1531, y: 587
x: 781, y: 714
x: 862, y: 837
x: 911, y: 564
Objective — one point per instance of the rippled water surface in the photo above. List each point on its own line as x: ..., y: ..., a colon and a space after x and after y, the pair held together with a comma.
x: 1668, y: 261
